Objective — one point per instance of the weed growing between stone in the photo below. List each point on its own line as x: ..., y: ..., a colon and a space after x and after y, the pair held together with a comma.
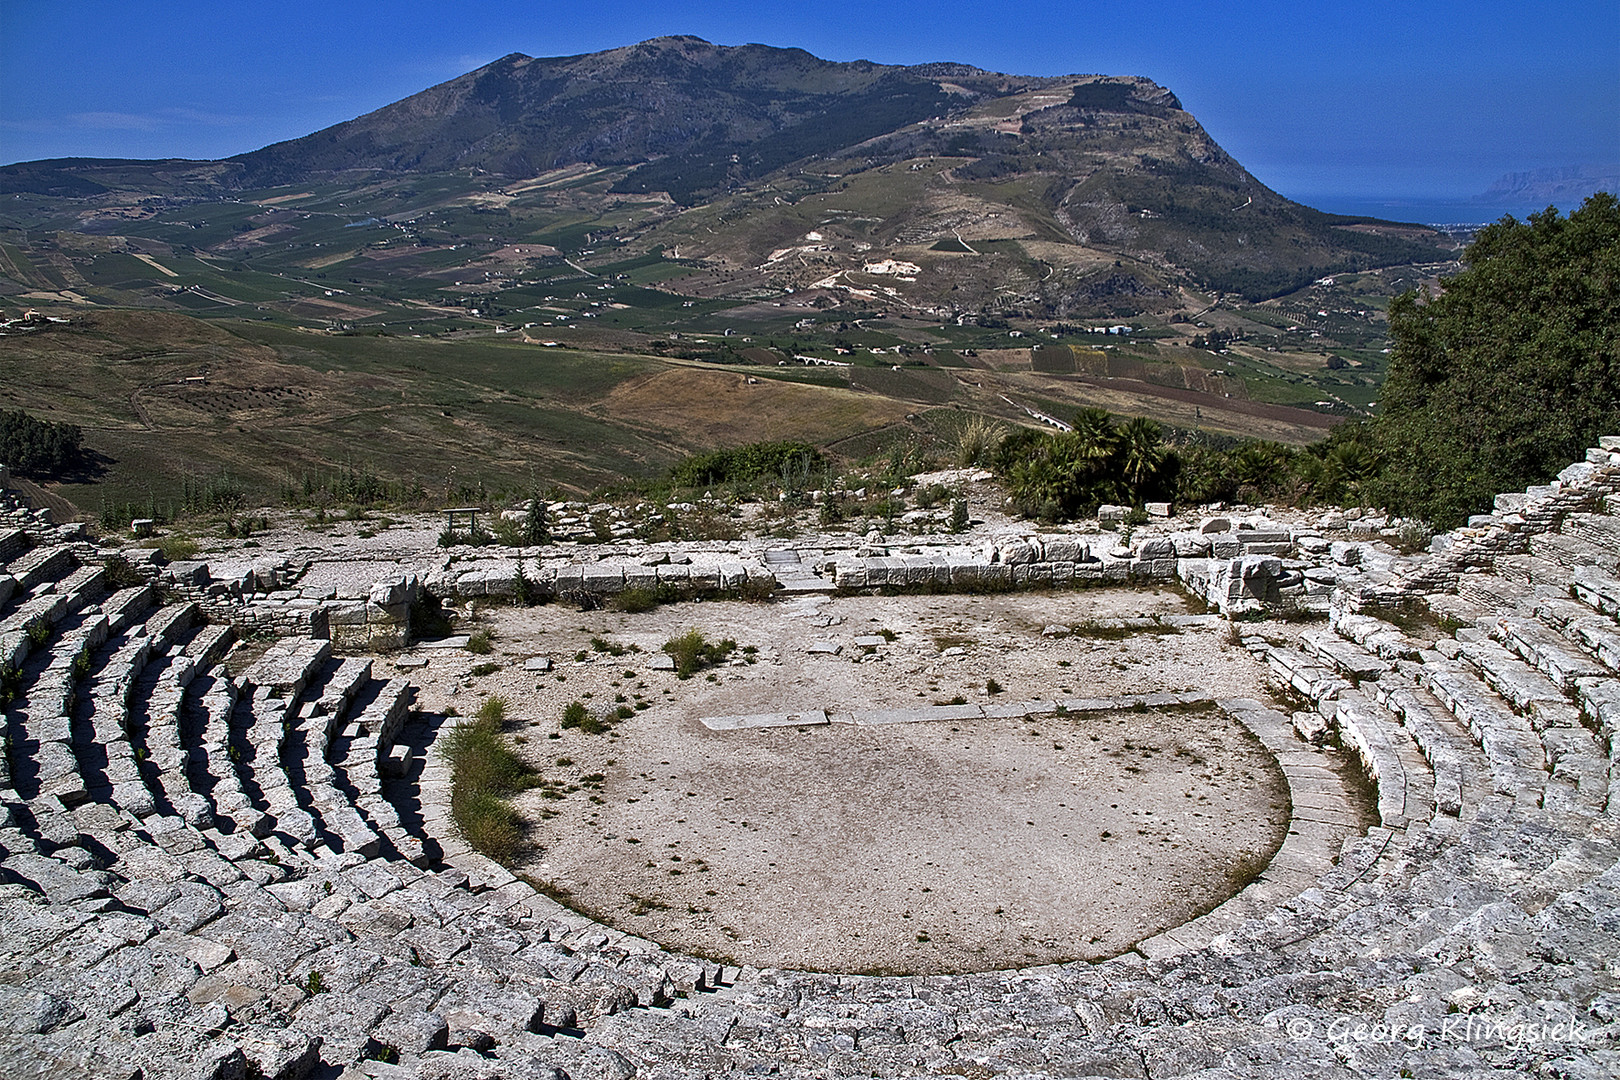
x: 485, y: 772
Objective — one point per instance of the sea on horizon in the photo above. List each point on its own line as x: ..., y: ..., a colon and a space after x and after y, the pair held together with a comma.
x: 1421, y: 210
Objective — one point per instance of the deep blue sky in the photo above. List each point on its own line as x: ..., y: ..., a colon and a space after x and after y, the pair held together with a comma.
x: 1429, y: 98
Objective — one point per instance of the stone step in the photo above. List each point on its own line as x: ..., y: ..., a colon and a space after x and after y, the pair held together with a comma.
x: 1517, y: 760
x: 1546, y: 650
x: 127, y: 607
x: 1567, y: 551
x: 1525, y: 688
x: 1462, y: 773
x: 1598, y: 534
x: 40, y: 721
x: 1492, y: 593
x: 1304, y: 675
x: 41, y: 566
x: 1377, y: 637
x: 287, y: 666
x: 1598, y: 590
x: 1350, y: 659
x: 1406, y: 789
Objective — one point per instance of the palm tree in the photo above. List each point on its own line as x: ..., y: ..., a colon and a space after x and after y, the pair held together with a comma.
x: 1094, y: 428
x: 1142, y: 454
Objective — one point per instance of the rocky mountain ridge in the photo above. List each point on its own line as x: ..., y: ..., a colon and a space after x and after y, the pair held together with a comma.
x: 1101, y: 165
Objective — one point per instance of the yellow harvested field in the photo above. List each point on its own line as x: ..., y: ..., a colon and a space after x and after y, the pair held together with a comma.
x: 154, y: 264
x: 721, y: 408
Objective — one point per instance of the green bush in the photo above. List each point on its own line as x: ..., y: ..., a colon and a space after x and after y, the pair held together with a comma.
x: 692, y: 653
x: 789, y: 461
x: 33, y: 447
x: 177, y: 547
x: 577, y: 716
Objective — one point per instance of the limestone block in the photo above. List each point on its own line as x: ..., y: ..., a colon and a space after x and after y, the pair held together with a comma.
x: 1225, y: 546
x: 1191, y: 545
x: 640, y: 577
x: 1062, y: 572
x: 278, y: 1053
x: 1158, y: 547
x: 733, y: 575
x: 1215, y: 525
x: 1346, y: 554
x: 603, y: 578
x: 1110, y: 517
x: 924, y: 570
x: 1063, y: 548
x: 570, y: 578
x: 864, y: 573
x: 348, y: 613
x: 675, y: 574
x: 1259, y: 567
x: 1016, y: 552
x: 1158, y: 509
x: 189, y: 572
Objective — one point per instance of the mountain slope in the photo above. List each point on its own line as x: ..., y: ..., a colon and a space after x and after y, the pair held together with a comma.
x: 1100, y: 191
x: 521, y: 116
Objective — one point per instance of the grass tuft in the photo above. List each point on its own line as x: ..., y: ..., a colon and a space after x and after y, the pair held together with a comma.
x: 485, y: 772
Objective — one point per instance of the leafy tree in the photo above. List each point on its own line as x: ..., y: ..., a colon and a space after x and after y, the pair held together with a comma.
x: 1510, y: 372
x: 33, y: 447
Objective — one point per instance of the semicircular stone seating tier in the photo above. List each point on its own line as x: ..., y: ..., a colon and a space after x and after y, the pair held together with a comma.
x: 219, y: 875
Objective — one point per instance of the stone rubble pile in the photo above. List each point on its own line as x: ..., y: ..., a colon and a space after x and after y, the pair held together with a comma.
x: 228, y: 863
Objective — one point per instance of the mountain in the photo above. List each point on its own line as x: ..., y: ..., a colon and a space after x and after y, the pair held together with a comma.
x: 669, y: 98
x: 1075, y: 193
x: 1564, y: 187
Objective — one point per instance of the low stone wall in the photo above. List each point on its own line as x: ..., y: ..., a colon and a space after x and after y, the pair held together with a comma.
x: 499, y: 578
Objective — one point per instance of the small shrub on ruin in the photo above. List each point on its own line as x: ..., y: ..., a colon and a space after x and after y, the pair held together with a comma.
x: 580, y: 718
x: 177, y: 547
x: 692, y: 652
x: 637, y: 600
x: 481, y: 642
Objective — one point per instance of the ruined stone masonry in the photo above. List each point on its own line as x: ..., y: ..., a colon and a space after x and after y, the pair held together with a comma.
x: 219, y: 876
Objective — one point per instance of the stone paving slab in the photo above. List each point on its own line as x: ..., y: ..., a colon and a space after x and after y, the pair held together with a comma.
x: 454, y: 641
x: 926, y: 714
x: 808, y: 718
